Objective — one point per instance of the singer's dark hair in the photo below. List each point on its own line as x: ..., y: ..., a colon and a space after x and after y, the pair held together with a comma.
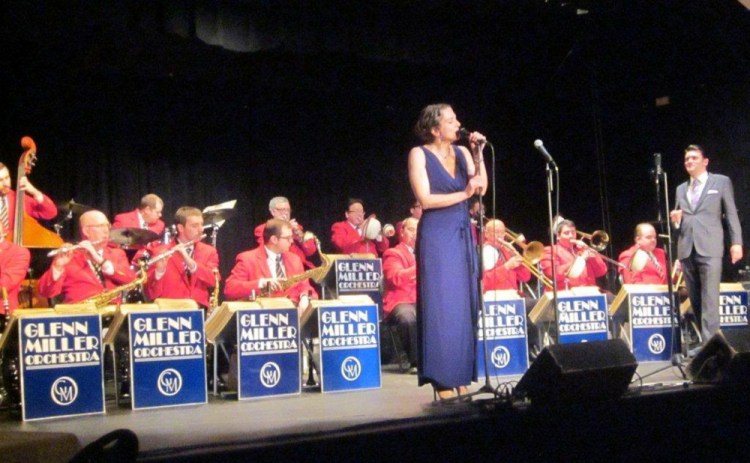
x: 429, y: 118
x: 696, y: 148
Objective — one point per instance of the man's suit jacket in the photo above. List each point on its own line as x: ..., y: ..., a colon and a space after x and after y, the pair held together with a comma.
x: 176, y: 284
x: 400, y: 275
x: 650, y: 274
x: 251, y: 266
x: 46, y: 210
x: 347, y: 240
x: 702, y: 228
x: 79, y: 281
x: 14, y: 263
x: 131, y: 220
x: 303, y: 249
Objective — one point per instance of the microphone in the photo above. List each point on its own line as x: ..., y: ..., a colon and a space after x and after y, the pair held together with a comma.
x: 657, y: 163
x: 540, y: 147
x: 464, y: 134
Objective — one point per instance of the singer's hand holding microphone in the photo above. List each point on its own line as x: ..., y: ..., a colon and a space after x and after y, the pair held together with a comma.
x: 476, y: 139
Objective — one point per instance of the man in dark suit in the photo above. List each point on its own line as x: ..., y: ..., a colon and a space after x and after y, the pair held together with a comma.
x: 701, y: 203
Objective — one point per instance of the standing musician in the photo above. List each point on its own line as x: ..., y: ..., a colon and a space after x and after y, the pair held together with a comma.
x: 702, y: 203
x: 348, y: 236
x: 280, y: 208
x: 190, y: 270
x: 14, y: 263
x: 503, y: 269
x: 643, y: 262
x: 146, y: 216
x: 576, y: 264
x: 38, y: 205
x: 262, y: 270
x: 88, y: 268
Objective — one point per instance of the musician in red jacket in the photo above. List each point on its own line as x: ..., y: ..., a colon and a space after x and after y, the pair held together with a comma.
x: 14, y: 263
x: 260, y: 272
x: 400, y: 298
x: 503, y: 269
x: 36, y: 204
x: 191, y: 269
x: 575, y: 263
x: 147, y: 215
x: 304, y: 246
x: 643, y: 262
x: 348, y: 237
x: 89, y: 269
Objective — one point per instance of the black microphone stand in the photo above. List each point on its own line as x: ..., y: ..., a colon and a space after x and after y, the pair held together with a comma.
x: 552, y: 168
x: 666, y: 234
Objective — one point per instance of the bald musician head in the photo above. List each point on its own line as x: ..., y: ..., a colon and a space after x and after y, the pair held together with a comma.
x: 494, y: 232
x: 408, y: 233
x: 95, y: 228
x: 151, y: 208
x: 645, y: 236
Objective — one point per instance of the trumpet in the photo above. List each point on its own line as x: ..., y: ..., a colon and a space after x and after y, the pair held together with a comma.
x: 599, y: 239
x: 64, y: 248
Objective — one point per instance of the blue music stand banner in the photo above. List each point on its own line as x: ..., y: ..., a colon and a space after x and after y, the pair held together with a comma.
x: 360, y: 276
x: 349, y: 347
x: 504, y: 323
x: 582, y: 318
x: 167, y: 358
x: 61, y: 366
x: 651, y: 323
x: 733, y: 309
x: 269, y: 356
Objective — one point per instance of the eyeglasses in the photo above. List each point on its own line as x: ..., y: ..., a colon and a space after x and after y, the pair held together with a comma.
x: 283, y: 209
x: 356, y: 212
x: 98, y: 225
x: 288, y: 237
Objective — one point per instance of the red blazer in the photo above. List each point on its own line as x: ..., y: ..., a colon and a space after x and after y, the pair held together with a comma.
x: 400, y: 275
x: 175, y: 283
x: 346, y: 240
x: 14, y: 263
x: 650, y: 274
x: 303, y: 249
x: 595, y: 267
x: 46, y: 210
x: 499, y: 277
x: 251, y: 266
x: 131, y: 220
x: 79, y: 281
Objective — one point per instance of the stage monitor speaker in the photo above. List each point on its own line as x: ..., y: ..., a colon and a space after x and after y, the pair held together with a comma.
x: 724, y: 359
x: 589, y: 371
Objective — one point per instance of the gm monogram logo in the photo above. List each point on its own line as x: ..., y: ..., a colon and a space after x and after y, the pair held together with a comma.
x: 351, y: 368
x: 64, y: 391
x: 656, y: 343
x: 169, y: 382
x: 270, y: 374
x: 500, y: 357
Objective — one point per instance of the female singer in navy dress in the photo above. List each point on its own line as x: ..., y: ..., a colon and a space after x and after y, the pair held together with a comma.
x: 443, y: 177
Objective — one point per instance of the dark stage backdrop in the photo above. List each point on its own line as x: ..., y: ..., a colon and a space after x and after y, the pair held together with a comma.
x: 119, y: 108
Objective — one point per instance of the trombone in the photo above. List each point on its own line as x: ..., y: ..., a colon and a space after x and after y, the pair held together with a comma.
x: 599, y: 239
x: 530, y: 256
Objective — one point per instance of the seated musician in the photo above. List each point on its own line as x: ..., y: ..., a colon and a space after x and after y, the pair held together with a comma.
x: 400, y: 298
x: 189, y: 271
x: 643, y: 262
x: 503, y: 268
x: 415, y: 211
x: 38, y: 205
x: 303, y: 246
x: 576, y: 264
x: 262, y: 271
x: 14, y: 263
x: 147, y: 215
x: 348, y: 236
x: 90, y: 268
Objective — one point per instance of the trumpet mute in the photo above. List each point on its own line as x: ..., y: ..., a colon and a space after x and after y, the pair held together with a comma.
x: 388, y: 230
x: 308, y: 235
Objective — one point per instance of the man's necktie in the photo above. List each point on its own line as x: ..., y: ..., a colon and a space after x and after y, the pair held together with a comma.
x: 4, y: 220
x: 694, y: 194
x: 656, y: 264
x: 189, y: 250
x: 279, y: 267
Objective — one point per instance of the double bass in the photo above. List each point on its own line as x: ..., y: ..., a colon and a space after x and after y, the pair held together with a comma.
x: 27, y: 232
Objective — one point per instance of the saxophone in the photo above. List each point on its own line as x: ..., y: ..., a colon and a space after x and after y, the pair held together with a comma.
x: 213, y: 301
x: 318, y: 273
x: 104, y: 298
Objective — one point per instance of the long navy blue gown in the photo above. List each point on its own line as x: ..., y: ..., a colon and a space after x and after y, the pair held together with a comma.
x: 447, y: 282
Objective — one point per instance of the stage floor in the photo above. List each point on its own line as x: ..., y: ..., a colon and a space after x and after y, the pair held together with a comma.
x: 225, y: 423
